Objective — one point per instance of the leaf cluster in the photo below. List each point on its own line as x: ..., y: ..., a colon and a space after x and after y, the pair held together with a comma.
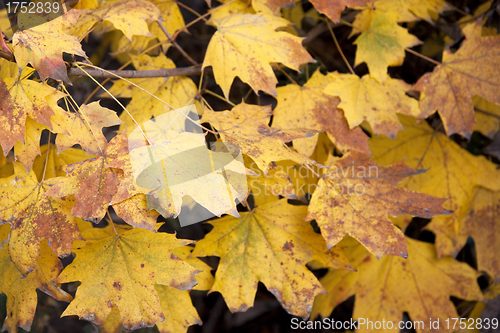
x: 313, y: 136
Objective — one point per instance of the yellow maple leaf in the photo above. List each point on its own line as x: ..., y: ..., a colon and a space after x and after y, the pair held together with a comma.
x: 21, y: 98
x: 129, y: 16
x: 420, y: 285
x: 367, y: 99
x: 412, y: 10
x: 27, y: 152
x: 121, y: 271
x: 21, y: 290
x: 268, y: 187
x: 134, y: 210
x: 245, y: 44
x: 53, y: 163
x: 487, y: 117
x: 355, y: 196
x: 35, y: 217
x: 452, y: 173
x: 450, y: 87
x: 84, y: 128
x: 176, y: 306
x: 339, y: 284
x: 383, y: 44
x: 42, y: 46
x: 309, y: 107
x: 272, y: 245
x: 247, y: 126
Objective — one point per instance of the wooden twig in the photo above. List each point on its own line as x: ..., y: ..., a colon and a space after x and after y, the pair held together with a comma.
x: 135, y: 74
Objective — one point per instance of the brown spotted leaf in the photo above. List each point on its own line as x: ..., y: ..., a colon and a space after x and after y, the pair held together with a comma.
x: 247, y: 126
x: 21, y: 290
x: 84, y: 128
x: 34, y: 217
x: 452, y: 173
x: 20, y: 98
x: 469, y: 71
x: 42, y: 46
x: 356, y: 196
x: 92, y: 182
x: 309, y: 107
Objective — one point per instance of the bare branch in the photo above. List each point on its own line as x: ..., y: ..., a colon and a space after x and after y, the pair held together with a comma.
x: 134, y: 74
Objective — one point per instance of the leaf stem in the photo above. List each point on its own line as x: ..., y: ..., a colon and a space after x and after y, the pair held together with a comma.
x: 286, y: 74
x: 344, y: 22
x: 338, y: 47
x: 46, y: 157
x: 219, y: 97
x: 111, y: 222
x: 202, y: 17
x: 422, y: 56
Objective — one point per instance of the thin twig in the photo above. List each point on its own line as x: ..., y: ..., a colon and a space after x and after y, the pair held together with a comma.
x: 176, y: 45
x: 218, y: 96
x: 458, y: 10
x: 286, y: 74
x: 191, y: 10
x: 314, y: 33
x: 202, y: 17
